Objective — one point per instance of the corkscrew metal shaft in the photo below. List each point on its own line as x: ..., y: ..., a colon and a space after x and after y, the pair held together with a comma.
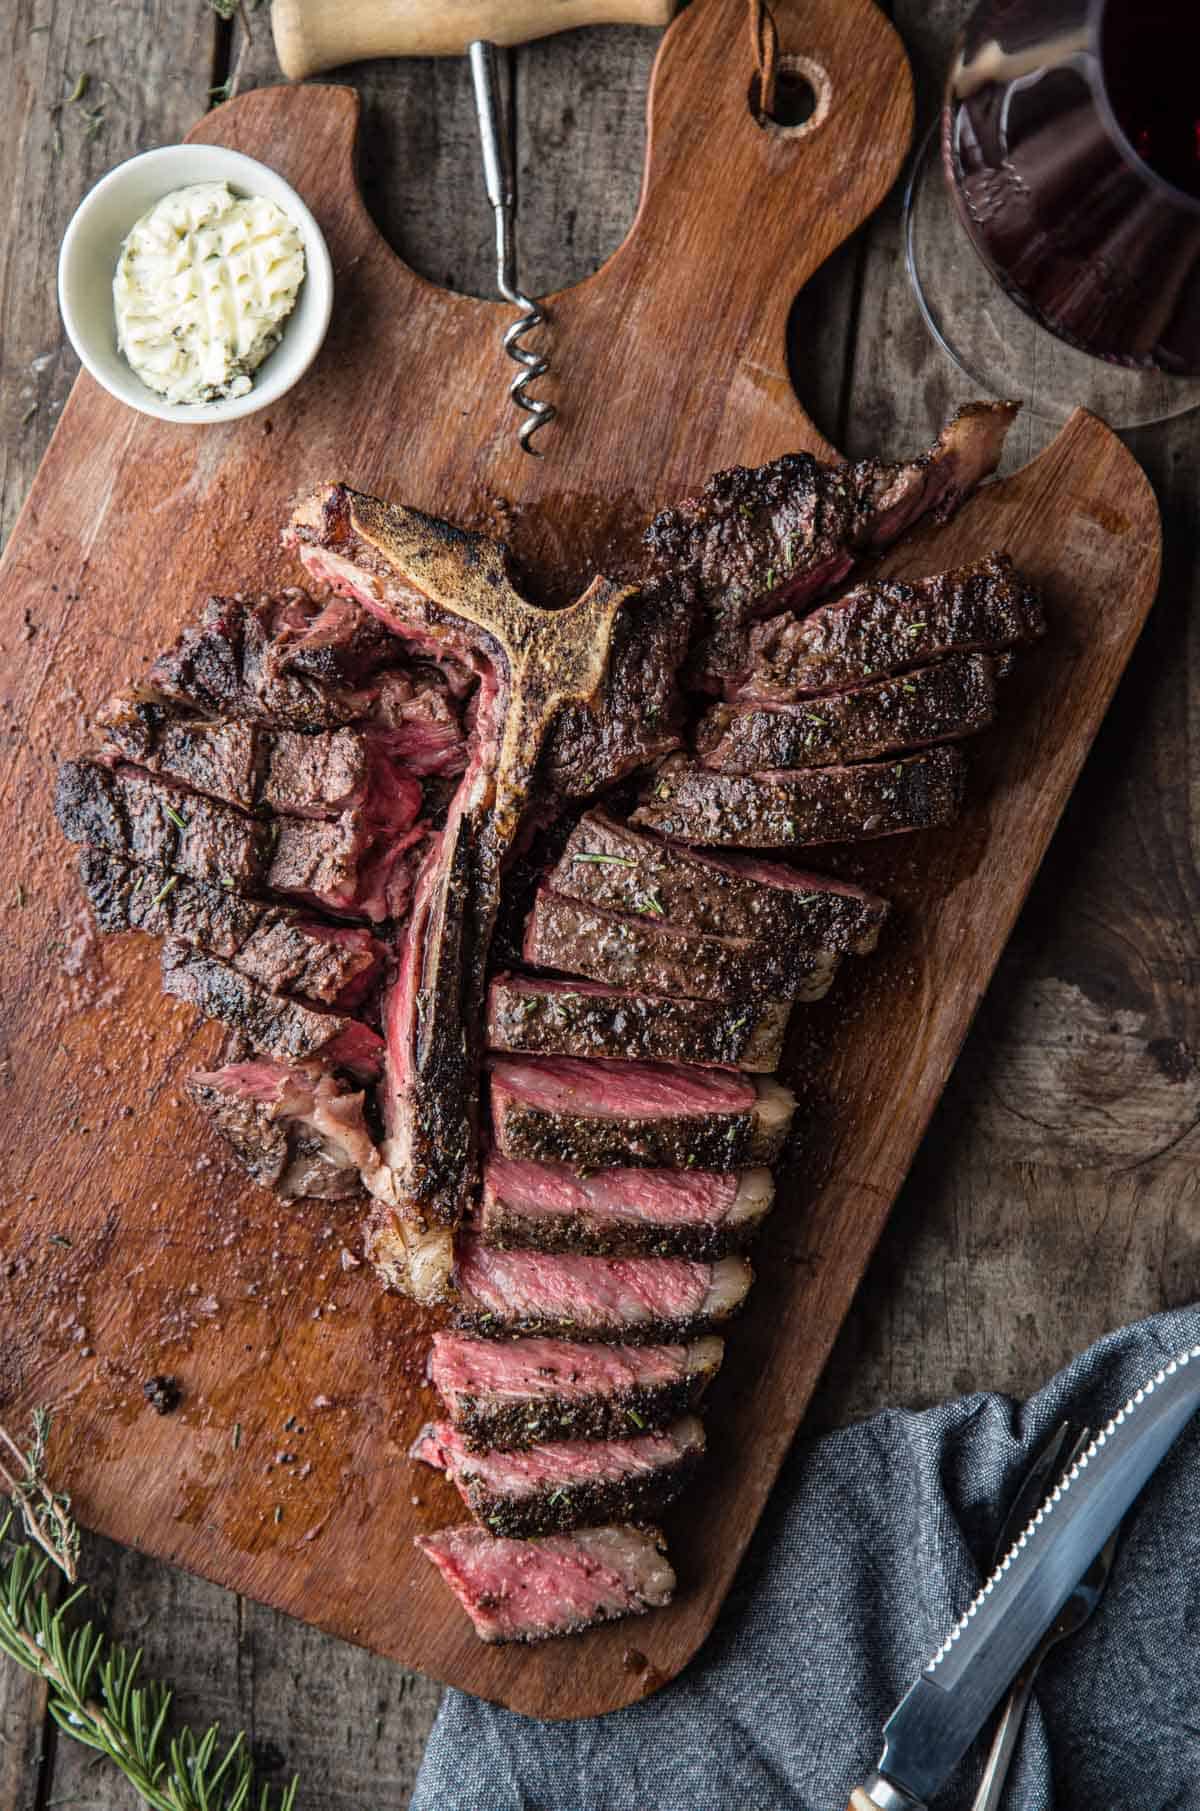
x: 501, y: 193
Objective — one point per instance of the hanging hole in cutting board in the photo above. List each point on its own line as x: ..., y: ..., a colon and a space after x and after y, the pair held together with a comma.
x: 803, y: 93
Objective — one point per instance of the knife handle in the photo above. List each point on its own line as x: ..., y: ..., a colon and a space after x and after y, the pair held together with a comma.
x: 883, y: 1795
x: 311, y: 35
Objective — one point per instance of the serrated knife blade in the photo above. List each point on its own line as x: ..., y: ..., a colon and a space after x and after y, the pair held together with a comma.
x: 937, y: 1720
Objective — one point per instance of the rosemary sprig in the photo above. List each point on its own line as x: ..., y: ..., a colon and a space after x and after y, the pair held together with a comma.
x: 94, y: 1693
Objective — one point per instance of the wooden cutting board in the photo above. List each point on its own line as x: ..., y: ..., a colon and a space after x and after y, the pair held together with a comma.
x: 127, y: 1246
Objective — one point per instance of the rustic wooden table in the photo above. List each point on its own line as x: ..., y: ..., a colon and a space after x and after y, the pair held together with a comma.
x: 1057, y: 1192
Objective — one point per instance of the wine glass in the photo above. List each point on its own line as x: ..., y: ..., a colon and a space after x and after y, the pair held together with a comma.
x: 1054, y: 246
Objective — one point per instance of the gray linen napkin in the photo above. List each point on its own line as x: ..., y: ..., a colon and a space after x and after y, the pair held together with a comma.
x: 871, y: 1547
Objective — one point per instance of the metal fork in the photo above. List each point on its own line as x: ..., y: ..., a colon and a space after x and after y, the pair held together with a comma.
x: 1071, y: 1617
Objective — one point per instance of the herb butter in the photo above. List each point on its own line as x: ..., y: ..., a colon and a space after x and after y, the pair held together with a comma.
x: 203, y: 286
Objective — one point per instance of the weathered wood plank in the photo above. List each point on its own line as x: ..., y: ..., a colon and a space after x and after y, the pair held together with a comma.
x: 23, y: 1732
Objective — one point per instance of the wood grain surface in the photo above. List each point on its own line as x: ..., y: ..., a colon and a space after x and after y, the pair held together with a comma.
x: 1015, y: 1241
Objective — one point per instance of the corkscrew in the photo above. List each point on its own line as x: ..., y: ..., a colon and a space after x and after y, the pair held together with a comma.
x: 499, y: 180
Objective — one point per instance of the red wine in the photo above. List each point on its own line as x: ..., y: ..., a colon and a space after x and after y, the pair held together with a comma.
x: 1150, y: 62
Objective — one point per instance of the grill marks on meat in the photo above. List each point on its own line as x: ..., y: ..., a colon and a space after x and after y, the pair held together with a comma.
x: 889, y: 628
x: 633, y: 1300
x: 755, y: 542
x: 290, y: 1032
x: 135, y: 815
x: 298, y: 1131
x: 519, y: 1392
x: 275, y: 946
x: 625, y: 949
x: 530, y: 1590
x: 567, y: 1484
x: 940, y: 703
x: 818, y: 805
x: 621, y: 1212
x: 635, y: 1115
x: 783, y: 912
x: 581, y: 1018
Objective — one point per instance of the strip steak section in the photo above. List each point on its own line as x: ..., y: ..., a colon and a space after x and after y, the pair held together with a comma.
x: 581, y: 1018
x: 621, y: 1212
x: 530, y: 1590
x: 636, y: 1115
x: 520, y: 1392
x: 633, y: 1300
x: 570, y: 1483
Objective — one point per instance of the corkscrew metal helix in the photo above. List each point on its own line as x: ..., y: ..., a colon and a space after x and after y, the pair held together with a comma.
x: 501, y: 193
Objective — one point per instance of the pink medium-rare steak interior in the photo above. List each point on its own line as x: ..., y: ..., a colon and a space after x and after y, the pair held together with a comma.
x: 516, y: 1369
x: 526, y: 1590
x: 558, y: 1462
x: 596, y: 1293
x: 662, y: 1195
x: 618, y: 1090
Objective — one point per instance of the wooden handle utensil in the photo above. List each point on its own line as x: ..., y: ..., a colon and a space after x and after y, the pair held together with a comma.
x: 312, y: 35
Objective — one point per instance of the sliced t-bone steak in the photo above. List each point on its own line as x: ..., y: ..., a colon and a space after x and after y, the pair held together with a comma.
x: 883, y: 628
x: 146, y: 820
x: 448, y: 592
x: 755, y: 542
x: 636, y: 1115
x: 611, y: 865
x: 517, y: 1392
x: 790, y: 808
x: 629, y: 949
x: 581, y: 1018
x: 953, y: 698
x: 352, y: 863
x: 619, y: 1212
x: 297, y: 1131
x: 284, y: 1029
x: 277, y: 946
x: 570, y: 1483
x: 565, y: 1296
x: 530, y: 1590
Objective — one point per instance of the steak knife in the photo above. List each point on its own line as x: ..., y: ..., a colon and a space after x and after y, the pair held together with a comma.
x: 937, y: 1720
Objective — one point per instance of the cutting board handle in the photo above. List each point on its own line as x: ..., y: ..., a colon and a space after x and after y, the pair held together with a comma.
x: 312, y: 35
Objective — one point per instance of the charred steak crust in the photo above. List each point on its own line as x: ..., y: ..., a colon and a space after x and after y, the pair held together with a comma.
x: 575, y: 1491
x: 722, y: 1136
x: 891, y: 627
x: 140, y: 817
x: 954, y: 698
x: 621, y: 1213
x: 627, y: 949
x: 556, y: 1018
x: 652, y: 1386
x: 612, y: 865
x: 817, y: 805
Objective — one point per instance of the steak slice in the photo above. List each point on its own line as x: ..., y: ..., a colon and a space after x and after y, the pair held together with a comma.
x: 257, y: 768
x: 621, y: 1213
x: 290, y: 1032
x: 635, y: 1300
x: 611, y: 865
x: 530, y: 1590
x: 626, y: 949
x: 518, y: 1392
x: 815, y: 805
x: 636, y: 1115
x: 282, y: 660
x: 448, y: 592
x: 281, y: 949
x: 582, y: 1018
x: 884, y: 628
x: 297, y: 1131
x: 146, y: 820
x: 755, y: 542
x: 570, y: 1483
x: 955, y: 697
